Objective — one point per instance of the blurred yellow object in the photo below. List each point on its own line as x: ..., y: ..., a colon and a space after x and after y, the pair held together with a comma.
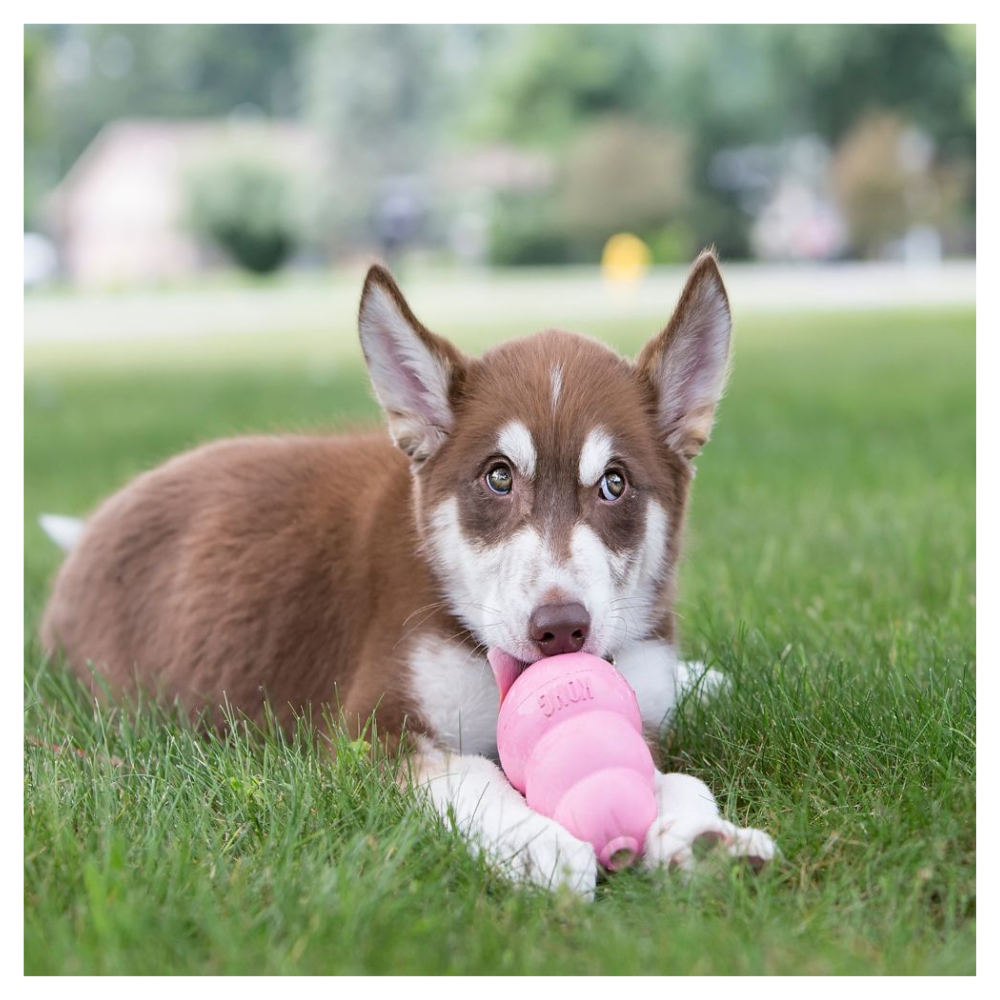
x: 625, y: 258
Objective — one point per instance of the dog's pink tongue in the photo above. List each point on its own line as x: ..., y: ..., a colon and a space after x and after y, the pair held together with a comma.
x: 505, y: 669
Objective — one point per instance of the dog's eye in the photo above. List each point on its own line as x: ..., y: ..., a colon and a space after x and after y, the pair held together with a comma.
x: 612, y: 485
x: 500, y: 479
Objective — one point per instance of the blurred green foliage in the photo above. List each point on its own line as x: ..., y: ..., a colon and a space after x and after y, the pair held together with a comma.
x: 633, y: 117
x: 618, y: 174
x: 729, y: 87
x: 88, y: 75
x: 735, y: 83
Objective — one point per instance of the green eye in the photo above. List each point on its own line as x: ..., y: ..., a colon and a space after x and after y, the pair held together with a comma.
x: 612, y: 485
x: 500, y: 479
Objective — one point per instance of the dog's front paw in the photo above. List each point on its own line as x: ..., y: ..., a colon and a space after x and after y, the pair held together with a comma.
x: 553, y: 859
x: 672, y: 843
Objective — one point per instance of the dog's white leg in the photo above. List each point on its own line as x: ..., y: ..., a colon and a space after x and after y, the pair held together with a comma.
x: 686, y: 811
x: 474, y: 793
x: 687, y: 817
x: 693, y: 677
x: 660, y: 680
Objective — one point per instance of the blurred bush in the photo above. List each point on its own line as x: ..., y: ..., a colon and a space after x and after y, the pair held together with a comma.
x: 246, y: 208
x: 526, y: 230
x: 887, y: 181
x: 618, y: 174
x: 673, y: 244
x: 621, y: 174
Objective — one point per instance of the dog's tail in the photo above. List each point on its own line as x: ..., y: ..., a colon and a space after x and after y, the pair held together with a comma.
x: 64, y: 531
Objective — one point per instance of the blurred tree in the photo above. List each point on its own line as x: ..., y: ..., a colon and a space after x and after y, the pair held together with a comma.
x: 728, y: 86
x: 963, y: 41
x: 96, y: 73
x: 385, y: 99
x: 621, y: 174
x: 39, y: 172
x: 35, y: 117
x: 379, y: 93
x: 618, y: 174
x: 738, y: 83
x: 549, y: 80
x: 844, y: 71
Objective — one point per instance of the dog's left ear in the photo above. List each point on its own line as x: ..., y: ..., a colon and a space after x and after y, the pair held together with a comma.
x: 414, y: 373
x: 687, y: 363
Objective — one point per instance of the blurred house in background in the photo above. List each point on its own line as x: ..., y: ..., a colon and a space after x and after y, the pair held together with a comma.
x: 124, y: 212
x: 135, y: 207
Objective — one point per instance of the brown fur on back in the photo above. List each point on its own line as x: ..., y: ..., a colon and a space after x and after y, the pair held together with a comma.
x: 251, y: 569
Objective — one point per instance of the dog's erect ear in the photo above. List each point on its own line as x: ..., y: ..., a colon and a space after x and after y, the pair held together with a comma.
x: 413, y: 371
x: 687, y: 363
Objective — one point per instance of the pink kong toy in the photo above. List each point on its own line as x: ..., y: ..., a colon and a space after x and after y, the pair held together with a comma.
x: 570, y: 739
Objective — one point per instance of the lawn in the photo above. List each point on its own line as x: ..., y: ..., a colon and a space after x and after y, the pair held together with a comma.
x: 829, y: 571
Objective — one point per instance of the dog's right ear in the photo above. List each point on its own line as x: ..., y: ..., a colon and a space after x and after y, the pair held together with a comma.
x: 687, y: 363
x: 413, y: 371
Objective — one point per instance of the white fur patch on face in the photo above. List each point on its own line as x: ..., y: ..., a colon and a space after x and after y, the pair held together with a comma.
x: 456, y: 694
x: 595, y: 455
x: 557, y: 381
x: 516, y: 443
x: 494, y: 589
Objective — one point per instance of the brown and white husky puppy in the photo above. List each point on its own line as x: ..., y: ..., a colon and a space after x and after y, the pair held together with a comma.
x: 531, y: 502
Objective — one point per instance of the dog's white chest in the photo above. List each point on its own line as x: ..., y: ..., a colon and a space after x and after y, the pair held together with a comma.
x: 456, y: 694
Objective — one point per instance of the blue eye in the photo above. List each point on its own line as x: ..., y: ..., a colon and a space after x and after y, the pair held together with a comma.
x: 612, y: 486
x: 500, y: 479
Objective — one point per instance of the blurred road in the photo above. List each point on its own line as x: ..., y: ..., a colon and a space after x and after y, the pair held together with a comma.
x: 565, y: 297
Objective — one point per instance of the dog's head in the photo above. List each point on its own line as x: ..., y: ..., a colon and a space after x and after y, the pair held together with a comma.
x: 551, y: 474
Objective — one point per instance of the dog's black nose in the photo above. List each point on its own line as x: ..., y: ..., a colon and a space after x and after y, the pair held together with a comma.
x: 559, y: 628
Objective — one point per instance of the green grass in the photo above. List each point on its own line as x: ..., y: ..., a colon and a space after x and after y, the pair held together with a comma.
x: 829, y: 572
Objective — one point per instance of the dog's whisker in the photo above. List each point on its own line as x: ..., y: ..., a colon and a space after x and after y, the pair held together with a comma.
x: 426, y: 607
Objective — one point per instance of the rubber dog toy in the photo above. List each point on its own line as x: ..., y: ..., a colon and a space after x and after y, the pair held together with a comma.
x: 570, y: 740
